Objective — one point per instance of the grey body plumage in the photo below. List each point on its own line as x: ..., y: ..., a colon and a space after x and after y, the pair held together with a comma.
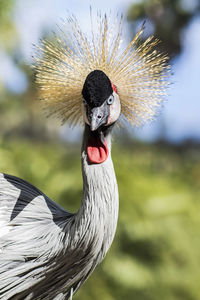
x: 46, y: 251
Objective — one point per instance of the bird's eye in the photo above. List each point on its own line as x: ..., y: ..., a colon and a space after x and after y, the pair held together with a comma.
x: 110, y: 100
x: 84, y: 102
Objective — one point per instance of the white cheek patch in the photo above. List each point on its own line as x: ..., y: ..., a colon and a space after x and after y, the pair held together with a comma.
x: 115, y: 110
x: 85, y: 115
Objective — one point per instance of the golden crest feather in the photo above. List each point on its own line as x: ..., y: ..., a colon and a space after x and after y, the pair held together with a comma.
x: 139, y: 72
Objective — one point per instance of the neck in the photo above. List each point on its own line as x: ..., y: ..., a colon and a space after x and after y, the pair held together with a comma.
x: 98, y: 213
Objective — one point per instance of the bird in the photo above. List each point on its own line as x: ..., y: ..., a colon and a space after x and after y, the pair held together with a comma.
x: 45, y: 251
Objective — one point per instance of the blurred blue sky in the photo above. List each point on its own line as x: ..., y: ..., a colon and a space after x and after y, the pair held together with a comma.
x: 180, y: 115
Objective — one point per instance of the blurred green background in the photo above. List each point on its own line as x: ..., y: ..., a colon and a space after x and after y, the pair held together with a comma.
x: 156, y: 251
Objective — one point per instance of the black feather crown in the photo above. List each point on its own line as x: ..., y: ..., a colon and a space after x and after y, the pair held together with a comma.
x: 97, y: 88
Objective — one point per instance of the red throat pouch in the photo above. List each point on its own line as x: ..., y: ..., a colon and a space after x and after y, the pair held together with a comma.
x: 97, y: 151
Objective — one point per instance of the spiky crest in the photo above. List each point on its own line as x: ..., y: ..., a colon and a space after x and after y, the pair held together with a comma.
x: 139, y: 72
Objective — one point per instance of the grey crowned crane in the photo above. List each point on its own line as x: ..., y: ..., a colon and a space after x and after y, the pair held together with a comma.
x: 45, y: 251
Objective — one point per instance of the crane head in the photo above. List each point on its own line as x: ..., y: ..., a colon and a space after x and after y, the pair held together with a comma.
x: 77, y: 70
x: 101, y: 108
x: 101, y: 104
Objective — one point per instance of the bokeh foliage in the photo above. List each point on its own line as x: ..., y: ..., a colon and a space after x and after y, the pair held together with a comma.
x: 168, y: 17
x: 8, y: 33
x: 156, y: 251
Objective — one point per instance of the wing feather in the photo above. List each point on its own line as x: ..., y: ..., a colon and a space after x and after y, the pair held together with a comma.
x: 32, y: 230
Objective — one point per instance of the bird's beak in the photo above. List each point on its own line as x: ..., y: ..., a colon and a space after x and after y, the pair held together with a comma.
x: 99, y: 116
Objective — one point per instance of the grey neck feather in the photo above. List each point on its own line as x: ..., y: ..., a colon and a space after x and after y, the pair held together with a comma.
x: 98, y: 214
x: 73, y: 249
